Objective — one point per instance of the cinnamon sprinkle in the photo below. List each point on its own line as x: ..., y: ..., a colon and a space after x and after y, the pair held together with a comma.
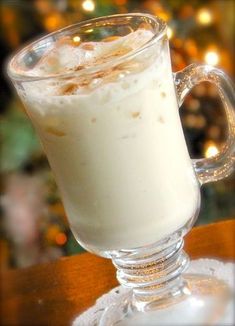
x: 88, y: 47
x: 66, y: 40
x: 135, y: 114
x: 55, y: 132
x: 111, y: 38
x: 80, y: 67
x: 68, y: 89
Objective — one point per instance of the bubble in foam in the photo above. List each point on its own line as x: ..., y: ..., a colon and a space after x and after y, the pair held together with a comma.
x: 95, y: 82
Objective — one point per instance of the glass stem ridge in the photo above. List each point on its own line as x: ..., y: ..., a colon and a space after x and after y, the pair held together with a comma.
x: 154, y: 274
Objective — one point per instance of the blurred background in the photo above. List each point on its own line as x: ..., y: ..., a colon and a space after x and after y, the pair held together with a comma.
x: 33, y: 226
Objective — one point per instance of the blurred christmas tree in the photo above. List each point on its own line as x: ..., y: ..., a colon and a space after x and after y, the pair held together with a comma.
x: 199, y: 31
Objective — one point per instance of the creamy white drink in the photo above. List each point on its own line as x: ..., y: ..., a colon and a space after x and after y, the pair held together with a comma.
x: 115, y: 142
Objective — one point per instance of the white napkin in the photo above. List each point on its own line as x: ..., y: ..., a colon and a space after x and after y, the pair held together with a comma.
x: 211, y: 267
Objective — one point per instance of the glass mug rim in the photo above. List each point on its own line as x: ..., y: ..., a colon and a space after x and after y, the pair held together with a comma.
x: 158, y: 35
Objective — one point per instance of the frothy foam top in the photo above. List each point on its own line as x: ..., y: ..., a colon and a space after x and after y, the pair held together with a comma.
x: 69, y: 54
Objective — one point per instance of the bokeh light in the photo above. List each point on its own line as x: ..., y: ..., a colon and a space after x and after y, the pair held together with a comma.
x: 61, y: 238
x: 212, y: 58
x: 211, y: 149
x: 170, y: 33
x: 204, y: 16
x: 76, y: 39
x: 88, y: 5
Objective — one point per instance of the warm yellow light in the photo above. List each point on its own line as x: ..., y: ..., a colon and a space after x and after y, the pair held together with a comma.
x: 212, y: 58
x: 163, y: 15
x: 204, y: 16
x: 76, y: 39
x: 211, y: 150
x: 170, y: 32
x: 61, y: 239
x: 88, y: 5
x: 53, y: 22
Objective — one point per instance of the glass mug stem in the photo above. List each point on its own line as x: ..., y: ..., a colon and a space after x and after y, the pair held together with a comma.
x: 155, y: 276
x: 159, y: 288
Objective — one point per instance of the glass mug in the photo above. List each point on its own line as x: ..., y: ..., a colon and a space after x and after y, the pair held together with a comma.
x: 104, y: 101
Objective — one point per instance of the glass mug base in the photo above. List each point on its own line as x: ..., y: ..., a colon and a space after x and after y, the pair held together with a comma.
x: 192, y: 306
x: 161, y: 294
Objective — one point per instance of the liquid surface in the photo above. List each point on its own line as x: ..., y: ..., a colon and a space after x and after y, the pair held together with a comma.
x: 87, y: 54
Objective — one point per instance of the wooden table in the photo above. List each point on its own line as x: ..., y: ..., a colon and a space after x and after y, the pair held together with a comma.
x: 55, y: 293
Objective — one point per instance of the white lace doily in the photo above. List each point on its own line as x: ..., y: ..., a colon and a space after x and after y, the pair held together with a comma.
x: 223, y: 271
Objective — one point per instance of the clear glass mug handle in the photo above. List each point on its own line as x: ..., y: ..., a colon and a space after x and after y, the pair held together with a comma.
x: 222, y: 164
